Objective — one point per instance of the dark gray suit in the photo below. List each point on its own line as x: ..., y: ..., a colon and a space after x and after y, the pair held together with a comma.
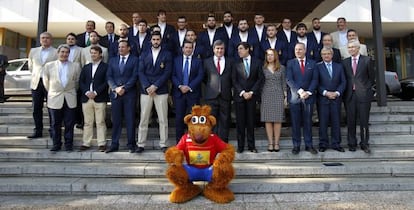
x: 358, y: 100
x: 218, y: 94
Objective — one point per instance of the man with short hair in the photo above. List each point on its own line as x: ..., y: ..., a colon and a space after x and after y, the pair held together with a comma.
x: 167, y: 30
x: 133, y: 30
x: 198, y: 49
x: 288, y: 37
x: 75, y: 51
x: 123, y: 36
x: 86, y: 54
x: 61, y: 80
x: 122, y: 80
x: 302, y: 81
x: 228, y: 28
x: 82, y: 40
x: 143, y: 37
x: 94, y: 95
x: 179, y: 35
x: 360, y: 77
x: 155, y: 68
x: 210, y: 35
x: 272, y: 42
x: 38, y: 57
x: 187, y: 75
x: 243, y: 35
x: 311, y: 47
x: 352, y: 35
x: 110, y: 38
x: 332, y: 84
x: 339, y: 38
x: 327, y: 43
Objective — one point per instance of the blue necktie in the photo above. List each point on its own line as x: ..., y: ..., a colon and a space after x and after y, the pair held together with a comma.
x: 329, y: 65
x: 122, y: 65
x: 247, y: 67
x: 185, y: 72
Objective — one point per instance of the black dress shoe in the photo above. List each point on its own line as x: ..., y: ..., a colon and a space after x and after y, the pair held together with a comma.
x: 239, y: 150
x: 311, y: 150
x: 164, y: 149
x: 35, y: 135
x: 84, y: 148
x: 322, y: 149
x: 366, y: 149
x: 352, y: 149
x: 69, y: 149
x: 131, y: 150
x: 253, y: 150
x: 111, y: 150
x: 55, y: 149
x: 295, y: 150
x: 79, y: 126
x: 102, y: 148
x: 339, y: 149
x: 140, y: 150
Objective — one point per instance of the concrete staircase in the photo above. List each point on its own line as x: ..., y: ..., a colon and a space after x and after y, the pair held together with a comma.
x: 27, y: 166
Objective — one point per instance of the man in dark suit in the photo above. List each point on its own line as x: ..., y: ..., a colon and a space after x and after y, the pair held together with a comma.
x: 154, y: 71
x: 258, y: 32
x: 271, y: 42
x: 4, y: 62
x: 167, y: 30
x: 302, y: 84
x: 179, y: 36
x: 315, y: 36
x: 327, y: 43
x: 210, y: 35
x: 247, y: 80
x: 218, y: 86
x: 122, y: 77
x: 82, y: 40
x: 133, y: 30
x: 360, y: 78
x: 143, y: 37
x: 110, y: 38
x: 123, y: 36
x: 332, y: 84
x: 187, y: 76
x: 311, y: 46
x: 243, y: 35
x: 93, y: 87
x: 228, y: 28
x: 288, y: 37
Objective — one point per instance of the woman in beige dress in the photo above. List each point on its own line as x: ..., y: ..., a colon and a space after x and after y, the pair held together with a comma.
x: 273, y: 98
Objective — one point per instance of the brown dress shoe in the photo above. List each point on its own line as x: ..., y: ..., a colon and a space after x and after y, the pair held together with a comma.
x: 83, y: 148
x: 102, y: 148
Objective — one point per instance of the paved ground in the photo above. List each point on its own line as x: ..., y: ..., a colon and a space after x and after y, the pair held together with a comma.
x: 320, y: 201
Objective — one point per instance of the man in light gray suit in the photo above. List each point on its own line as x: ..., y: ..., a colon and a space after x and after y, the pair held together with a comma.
x: 38, y: 57
x: 61, y: 80
x: 86, y: 52
x: 75, y: 51
x: 352, y: 35
x: 339, y: 37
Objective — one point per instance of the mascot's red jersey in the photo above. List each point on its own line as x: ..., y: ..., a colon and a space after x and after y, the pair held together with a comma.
x: 201, y: 156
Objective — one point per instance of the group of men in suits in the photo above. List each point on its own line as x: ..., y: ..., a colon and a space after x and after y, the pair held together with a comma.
x: 227, y: 59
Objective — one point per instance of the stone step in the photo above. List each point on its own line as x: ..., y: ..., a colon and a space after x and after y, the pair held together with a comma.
x: 392, y: 128
x: 75, y: 185
x: 261, y: 142
x: 377, y: 154
x: 156, y: 170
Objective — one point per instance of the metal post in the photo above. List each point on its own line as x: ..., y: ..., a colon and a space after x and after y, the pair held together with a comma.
x: 379, y: 53
x: 42, y: 21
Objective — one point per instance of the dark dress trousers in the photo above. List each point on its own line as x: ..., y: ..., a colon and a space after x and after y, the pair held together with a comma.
x: 358, y: 100
x: 246, y: 109
x: 330, y: 109
x: 123, y: 106
x: 301, y: 109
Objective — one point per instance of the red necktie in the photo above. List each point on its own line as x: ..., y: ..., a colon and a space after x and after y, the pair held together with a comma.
x: 302, y: 67
x: 218, y: 65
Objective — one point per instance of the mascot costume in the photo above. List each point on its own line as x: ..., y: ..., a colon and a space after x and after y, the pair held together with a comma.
x: 207, y: 157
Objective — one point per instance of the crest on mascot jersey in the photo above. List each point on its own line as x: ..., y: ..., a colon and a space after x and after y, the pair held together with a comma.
x: 199, y: 157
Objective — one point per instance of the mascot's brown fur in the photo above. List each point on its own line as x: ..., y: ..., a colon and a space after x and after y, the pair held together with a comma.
x: 200, y: 123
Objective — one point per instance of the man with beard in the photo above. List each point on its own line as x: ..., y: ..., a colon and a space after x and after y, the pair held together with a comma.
x: 271, y: 42
x: 75, y: 53
x: 154, y: 70
x: 179, y: 35
x: 244, y: 36
x: 311, y: 47
x: 315, y: 36
x: 228, y: 27
x: 198, y: 49
x: 123, y: 35
x: 210, y: 35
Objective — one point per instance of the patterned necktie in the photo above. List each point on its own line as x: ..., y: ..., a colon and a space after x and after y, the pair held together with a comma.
x: 329, y: 65
x: 247, y: 67
x: 185, y: 71
x: 122, y: 65
x: 302, y: 67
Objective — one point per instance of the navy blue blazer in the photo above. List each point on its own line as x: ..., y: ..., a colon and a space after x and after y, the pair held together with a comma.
x: 158, y: 74
x: 295, y: 80
x: 289, y: 46
x: 99, y: 82
x: 336, y: 56
x: 312, y: 49
x: 146, y: 44
x: 204, y: 40
x: 279, y: 47
x: 253, y: 33
x: 127, y: 79
x: 326, y: 83
x: 195, y: 78
x: 253, y: 42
